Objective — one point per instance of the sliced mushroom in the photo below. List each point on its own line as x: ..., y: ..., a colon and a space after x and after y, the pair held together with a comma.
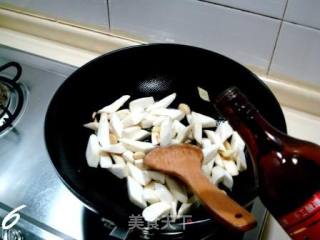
x: 206, y: 121
x: 128, y: 156
x: 135, y: 191
x: 157, y: 176
x: 105, y: 161
x: 119, y: 170
x: 178, y: 191
x: 116, y: 125
x: 93, y: 151
x: 163, y: 193
x: 184, y: 209
x: 209, y: 153
x: 141, y: 176
x: 113, y: 107
x: 92, y: 125
x: 153, y: 212
x: 140, y: 104
x: 103, y: 130
x: 163, y: 103
x: 172, y: 113
x: 114, y: 148
x: 137, y: 146
x: 224, y: 130
x: 150, y: 195
x: 165, y: 132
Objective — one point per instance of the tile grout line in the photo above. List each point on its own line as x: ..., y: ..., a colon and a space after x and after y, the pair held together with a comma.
x: 277, y: 38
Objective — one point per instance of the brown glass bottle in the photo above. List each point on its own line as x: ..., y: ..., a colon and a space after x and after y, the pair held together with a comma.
x: 288, y: 168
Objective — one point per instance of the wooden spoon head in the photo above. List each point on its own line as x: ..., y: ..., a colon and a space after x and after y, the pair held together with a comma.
x: 180, y: 159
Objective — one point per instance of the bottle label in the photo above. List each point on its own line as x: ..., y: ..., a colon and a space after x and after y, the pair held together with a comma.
x: 304, y: 222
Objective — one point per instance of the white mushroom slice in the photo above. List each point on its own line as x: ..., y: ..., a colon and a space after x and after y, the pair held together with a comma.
x: 224, y: 130
x: 163, y: 193
x: 139, y: 164
x: 114, y: 148
x: 228, y: 181
x: 93, y: 151
x: 128, y: 156
x: 207, y: 168
x: 173, y: 211
x: 241, y: 161
x: 163, y: 103
x: 182, y: 135
x: 150, y: 195
x: 159, y: 120
x: 140, y: 104
x: 157, y: 176
x: 119, y: 170
x: 218, y: 161
x: 113, y: 107
x: 197, y: 131
x: 138, y: 135
x: 105, y: 161
x: 189, y: 118
x: 132, y: 119
x: 206, y: 142
x: 148, y: 121
x: 118, y: 159
x: 92, y: 125
x: 165, y: 132
x: 184, y: 209
x: 150, y: 185
x: 209, y: 153
x: 121, y: 114
x: 155, y: 138
x: 236, y: 142
x: 155, y: 211
x: 135, y: 191
x: 178, y: 191
x: 217, y: 175
x: 206, y: 121
x: 231, y: 167
x: 103, y: 130
x: 174, y: 114
x: 177, y: 127
x: 116, y: 125
x: 137, y: 146
x: 214, y: 138
x: 141, y: 176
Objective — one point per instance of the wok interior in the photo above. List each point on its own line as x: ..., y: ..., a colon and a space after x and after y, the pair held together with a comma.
x: 152, y: 70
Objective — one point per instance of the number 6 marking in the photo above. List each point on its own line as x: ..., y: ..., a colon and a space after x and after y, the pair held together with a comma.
x: 12, y: 215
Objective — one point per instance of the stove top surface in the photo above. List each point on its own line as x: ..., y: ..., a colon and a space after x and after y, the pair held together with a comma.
x: 27, y: 176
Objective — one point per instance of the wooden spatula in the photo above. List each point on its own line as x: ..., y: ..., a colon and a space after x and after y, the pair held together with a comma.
x: 184, y: 162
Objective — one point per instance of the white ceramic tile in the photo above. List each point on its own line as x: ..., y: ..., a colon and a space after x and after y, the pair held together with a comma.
x: 85, y: 12
x: 297, y: 54
x: 273, y: 8
x: 304, y: 12
x: 245, y: 37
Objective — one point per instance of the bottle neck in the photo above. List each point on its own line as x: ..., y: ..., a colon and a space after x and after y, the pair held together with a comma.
x: 258, y: 134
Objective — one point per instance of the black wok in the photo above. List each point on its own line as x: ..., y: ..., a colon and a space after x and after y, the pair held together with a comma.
x: 147, y: 70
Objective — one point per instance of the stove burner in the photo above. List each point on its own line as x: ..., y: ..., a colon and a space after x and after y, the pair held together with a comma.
x: 11, y: 97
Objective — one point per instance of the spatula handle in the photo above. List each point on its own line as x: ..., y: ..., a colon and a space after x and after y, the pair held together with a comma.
x: 224, y: 209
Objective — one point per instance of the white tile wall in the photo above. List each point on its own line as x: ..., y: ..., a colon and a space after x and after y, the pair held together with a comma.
x: 297, y: 54
x: 273, y: 8
x: 86, y: 12
x: 304, y: 12
x: 245, y: 37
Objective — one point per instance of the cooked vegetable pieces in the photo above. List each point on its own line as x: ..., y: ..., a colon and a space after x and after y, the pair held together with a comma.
x: 122, y: 138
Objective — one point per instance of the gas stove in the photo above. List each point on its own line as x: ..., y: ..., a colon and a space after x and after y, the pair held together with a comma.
x: 34, y: 203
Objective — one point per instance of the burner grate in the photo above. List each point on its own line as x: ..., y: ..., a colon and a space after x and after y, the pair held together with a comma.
x: 11, y: 97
